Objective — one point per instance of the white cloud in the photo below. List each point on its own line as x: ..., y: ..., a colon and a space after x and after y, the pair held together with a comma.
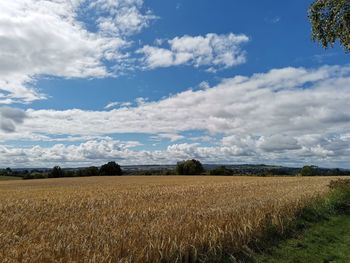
x: 45, y: 38
x: 212, y: 51
x: 204, y: 85
x: 293, y: 114
x: 278, y: 143
x: 126, y: 17
x: 90, y: 152
x: 10, y: 117
x: 117, y: 104
x: 169, y: 136
x: 237, y: 105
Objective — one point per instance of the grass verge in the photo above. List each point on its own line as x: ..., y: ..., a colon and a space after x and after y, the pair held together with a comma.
x: 326, y: 241
x: 320, y: 233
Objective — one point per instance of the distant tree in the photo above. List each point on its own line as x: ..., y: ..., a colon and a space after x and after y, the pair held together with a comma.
x: 336, y: 172
x: 189, y: 167
x: 330, y: 21
x: 91, y: 171
x: 309, y: 170
x: 56, y: 172
x: 70, y: 173
x: 221, y: 170
x: 8, y: 171
x: 34, y: 176
x: 111, y: 168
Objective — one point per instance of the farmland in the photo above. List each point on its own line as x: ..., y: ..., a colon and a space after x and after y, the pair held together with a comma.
x: 144, y: 219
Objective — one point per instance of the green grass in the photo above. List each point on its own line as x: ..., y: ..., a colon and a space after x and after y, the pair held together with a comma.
x: 321, y: 233
x: 326, y: 241
x: 6, y: 178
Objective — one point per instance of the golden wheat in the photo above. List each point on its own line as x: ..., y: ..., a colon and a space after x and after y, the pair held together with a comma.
x: 144, y: 219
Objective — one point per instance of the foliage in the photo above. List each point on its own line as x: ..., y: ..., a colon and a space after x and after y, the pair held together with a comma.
x: 244, y: 169
x: 111, y: 168
x: 189, y: 167
x: 89, y: 171
x: 330, y: 21
x: 341, y: 192
x: 333, y: 245
x: 343, y: 184
x: 56, y: 172
x: 221, y: 170
x: 92, y: 171
x: 72, y: 173
x: 35, y: 175
x: 309, y: 170
x: 328, y: 215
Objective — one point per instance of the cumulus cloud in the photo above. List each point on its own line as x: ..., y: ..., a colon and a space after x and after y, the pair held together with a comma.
x: 46, y: 38
x: 212, y: 51
x: 117, y: 104
x: 95, y: 152
x: 277, y: 143
x: 90, y: 152
x: 10, y: 117
x: 281, y: 101
x: 291, y: 115
x: 125, y: 17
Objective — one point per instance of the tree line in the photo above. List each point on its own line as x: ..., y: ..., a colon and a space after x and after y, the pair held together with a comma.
x: 108, y: 169
x: 186, y: 167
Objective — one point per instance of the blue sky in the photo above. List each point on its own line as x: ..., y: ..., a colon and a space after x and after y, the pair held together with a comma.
x: 279, y: 33
x: 87, y: 81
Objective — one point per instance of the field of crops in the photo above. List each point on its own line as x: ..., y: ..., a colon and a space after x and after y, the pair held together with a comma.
x: 143, y: 219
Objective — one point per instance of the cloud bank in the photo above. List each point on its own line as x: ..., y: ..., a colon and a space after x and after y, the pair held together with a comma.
x: 287, y: 115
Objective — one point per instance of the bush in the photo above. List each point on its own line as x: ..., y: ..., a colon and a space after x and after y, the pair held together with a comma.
x: 111, y: 168
x: 189, y: 167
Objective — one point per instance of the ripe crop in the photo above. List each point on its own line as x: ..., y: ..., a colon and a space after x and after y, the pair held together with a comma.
x: 144, y: 219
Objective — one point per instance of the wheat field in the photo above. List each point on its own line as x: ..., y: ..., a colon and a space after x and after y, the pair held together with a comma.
x: 144, y: 219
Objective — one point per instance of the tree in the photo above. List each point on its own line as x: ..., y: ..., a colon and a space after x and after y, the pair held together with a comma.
x: 91, y: 171
x: 221, y: 170
x: 111, y: 168
x: 309, y: 170
x: 330, y: 21
x: 8, y: 171
x: 189, y: 167
x: 56, y: 172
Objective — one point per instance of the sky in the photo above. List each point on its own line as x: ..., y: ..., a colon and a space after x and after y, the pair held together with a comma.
x: 83, y: 82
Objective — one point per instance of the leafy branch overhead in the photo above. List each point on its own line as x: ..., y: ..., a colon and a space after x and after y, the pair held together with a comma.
x: 330, y: 21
